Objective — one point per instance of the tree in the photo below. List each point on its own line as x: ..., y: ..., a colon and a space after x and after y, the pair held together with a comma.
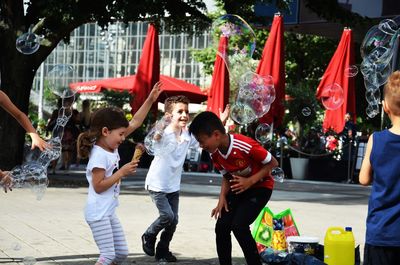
x: 54, y: 20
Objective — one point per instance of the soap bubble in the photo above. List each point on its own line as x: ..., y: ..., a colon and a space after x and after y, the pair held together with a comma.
x: 263, y: 133
x: 28, y: 43
x: 351, y: 71
x: 306, y: 111
x: 29, y: 260
x: 155, y: 141
x: 388, y: 26
x: 241, y: 37
x: 332, y: 96
x: 278, y: 174
x: 59, y: 78
x: 242, y: 114
x: 372, y: 110
x: 16, y: 246
x: 32, y: 175
x: 255, y: 96
x: 377, y: 46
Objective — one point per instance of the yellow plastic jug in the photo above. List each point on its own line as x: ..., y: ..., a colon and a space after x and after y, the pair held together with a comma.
x: 339, y: 246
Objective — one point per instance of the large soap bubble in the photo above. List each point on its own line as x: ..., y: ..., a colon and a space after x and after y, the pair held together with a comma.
x: 332, y: 96
x: 242, y: 113
x: 59, y: 78
x: 32, y: 175
x: 241, y: 37
x: 28, y: 43
x: 377, y: 46
x: 155, y: 142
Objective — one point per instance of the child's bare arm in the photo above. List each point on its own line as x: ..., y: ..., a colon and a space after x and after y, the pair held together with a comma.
x: 141, y: 114
x: 21, y: 117
x: 365, y: 176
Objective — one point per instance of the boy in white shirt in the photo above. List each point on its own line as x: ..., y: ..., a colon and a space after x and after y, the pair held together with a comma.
x: 164, y: 177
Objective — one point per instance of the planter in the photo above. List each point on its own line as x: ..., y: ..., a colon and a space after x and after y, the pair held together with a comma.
x: 299, y: 167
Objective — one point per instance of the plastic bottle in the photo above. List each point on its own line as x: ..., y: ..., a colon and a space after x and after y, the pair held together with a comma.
x: 339, y: 246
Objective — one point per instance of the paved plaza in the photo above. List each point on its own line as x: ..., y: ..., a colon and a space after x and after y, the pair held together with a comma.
x: 53, y: 229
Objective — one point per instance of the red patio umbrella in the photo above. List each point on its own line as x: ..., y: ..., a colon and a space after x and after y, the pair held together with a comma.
x: 335, y: 73
x: 273, y: 63
x: 218, y: 95
x: 148, y: 71
x: 171, y: 86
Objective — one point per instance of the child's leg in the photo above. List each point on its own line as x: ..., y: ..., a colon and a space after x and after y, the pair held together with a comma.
x: 120, y: 245
x: 375, y: 255
x: 167, y: 234
x: 166, y: 214
x: 248, y: 208
x: 103, y: 236
x: 223, y: 236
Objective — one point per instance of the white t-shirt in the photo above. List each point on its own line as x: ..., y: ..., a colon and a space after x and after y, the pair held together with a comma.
x: 102, y: 204
x: 165, y: 171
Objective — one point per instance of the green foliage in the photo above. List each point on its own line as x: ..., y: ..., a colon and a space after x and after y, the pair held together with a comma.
x: 116, y: 98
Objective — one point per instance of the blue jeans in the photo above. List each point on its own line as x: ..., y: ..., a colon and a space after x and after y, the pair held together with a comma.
x: 167, y: 205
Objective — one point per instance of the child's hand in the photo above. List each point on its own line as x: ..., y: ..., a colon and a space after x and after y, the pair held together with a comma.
x: 224, y: 115
x: 217, y: 211
x: 240, y: 184
x: 38, y: 142
x: 6, y: 180
x: 129, y: 168
x: 155, y: 92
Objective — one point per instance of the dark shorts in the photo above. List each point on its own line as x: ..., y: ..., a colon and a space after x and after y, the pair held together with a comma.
x: 375, y: 255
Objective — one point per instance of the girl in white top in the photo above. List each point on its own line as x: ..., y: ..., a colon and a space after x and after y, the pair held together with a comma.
x: 100, y: 143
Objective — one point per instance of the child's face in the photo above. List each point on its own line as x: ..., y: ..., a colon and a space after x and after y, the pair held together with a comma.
x: 180, y: 115
x: 209, y: 143
x: 113, y: 138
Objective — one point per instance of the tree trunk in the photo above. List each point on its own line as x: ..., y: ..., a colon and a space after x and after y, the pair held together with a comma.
x: 17, y: 73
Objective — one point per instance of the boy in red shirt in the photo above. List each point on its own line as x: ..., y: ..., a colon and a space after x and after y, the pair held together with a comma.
x: 246, y: 186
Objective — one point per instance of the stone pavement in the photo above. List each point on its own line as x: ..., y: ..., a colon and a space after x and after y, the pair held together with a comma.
x: 53, y: 230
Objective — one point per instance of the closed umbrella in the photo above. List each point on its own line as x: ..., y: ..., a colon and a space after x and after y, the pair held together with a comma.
x: 218, y: 95
x: 337, y: 74
x: 273, y: 63
x: 148, y: 71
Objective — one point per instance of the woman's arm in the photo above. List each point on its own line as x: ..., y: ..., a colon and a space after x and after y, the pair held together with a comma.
x: 21, y: 117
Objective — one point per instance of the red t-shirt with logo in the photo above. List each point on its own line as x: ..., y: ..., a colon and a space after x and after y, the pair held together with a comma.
x: 245, y: 157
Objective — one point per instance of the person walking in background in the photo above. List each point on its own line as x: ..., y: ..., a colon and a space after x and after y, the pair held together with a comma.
x: 246, y: 186
x: 22, y: 119
x: 381, y: 168
x: 107, y: 131
x: 85, y: 115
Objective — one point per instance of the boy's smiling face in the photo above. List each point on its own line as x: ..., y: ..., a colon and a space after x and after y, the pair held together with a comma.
x: 209, y: 143
x: 179, y: 115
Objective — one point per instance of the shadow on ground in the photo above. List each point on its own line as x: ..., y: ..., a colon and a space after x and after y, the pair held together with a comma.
x: 135, y: 259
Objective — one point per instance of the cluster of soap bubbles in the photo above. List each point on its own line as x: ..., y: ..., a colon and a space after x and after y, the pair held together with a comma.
x: 255, y: 96
x: 155, y: 142
x: 28, y: 43
x: 33, y: 174
x: 377, y: 51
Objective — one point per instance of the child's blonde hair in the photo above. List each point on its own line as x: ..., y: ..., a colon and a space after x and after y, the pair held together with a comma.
x: 171, y: 101
x: 111, y: 118
x: 392, y: 92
